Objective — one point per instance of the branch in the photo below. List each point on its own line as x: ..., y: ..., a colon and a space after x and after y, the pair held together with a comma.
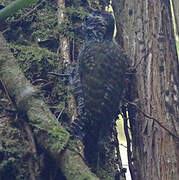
x: 50, y: 135
x: 34, y: 166
x: 25, y: 96
x: 14, y: 7
x: 129, y: 152
x: 71, y: 163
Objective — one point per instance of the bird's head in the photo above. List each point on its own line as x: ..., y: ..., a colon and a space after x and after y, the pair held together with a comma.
x: 98, y: 26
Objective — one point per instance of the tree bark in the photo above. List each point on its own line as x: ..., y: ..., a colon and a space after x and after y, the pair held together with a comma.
x: 149, y: 41
x: 64, y: 45
x: 50, y: 135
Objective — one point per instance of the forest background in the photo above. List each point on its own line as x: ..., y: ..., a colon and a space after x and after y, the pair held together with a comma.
x: 33, y: 36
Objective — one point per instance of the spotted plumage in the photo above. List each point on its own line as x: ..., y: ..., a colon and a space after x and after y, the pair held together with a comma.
x: 98, y: 81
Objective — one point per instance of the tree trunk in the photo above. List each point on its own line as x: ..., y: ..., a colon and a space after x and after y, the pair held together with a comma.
x: 148, y: 38
x: 64, y: 45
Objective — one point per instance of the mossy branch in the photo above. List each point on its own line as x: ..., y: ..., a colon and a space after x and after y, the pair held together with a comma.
x: 72, y: 165
x: 14, y: 7
x: 49, y: 133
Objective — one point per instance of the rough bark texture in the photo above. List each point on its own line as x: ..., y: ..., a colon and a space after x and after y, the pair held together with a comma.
x: 149, y: 40
x: 64, y: 41
x: 118, y: 6
x: 50, y: 135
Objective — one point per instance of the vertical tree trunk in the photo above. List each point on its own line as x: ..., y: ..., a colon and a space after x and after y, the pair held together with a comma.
x: 64, y: 51
x: 149, y: 39
x: 64, y: 41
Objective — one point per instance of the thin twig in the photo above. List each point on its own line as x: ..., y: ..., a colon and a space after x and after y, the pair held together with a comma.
x: 39, y: 81
x: 123, y: 145
x: 60, y: 114
x: 5, y: 30
x: 149, y: 117
x: 73, y: 51
x: 28, y: 13
x: 30, y: 138
x: 34, y: 164
x: 119, y: 162
x: 126, y: 131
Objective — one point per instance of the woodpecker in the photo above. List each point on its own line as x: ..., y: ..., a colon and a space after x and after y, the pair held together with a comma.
x: 98, y: 81
x: 98, y: 84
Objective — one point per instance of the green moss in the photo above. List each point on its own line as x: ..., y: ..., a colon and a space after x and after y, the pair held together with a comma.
x: 35, y: 62
x: 70, y: 168
x: 46, y: 23
x: 35, y: 27
x: 46, y: 128
x: 57, y: 139
x: 14, y: 153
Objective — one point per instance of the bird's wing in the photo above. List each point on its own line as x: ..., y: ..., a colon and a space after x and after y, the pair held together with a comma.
x: 102, y: 67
